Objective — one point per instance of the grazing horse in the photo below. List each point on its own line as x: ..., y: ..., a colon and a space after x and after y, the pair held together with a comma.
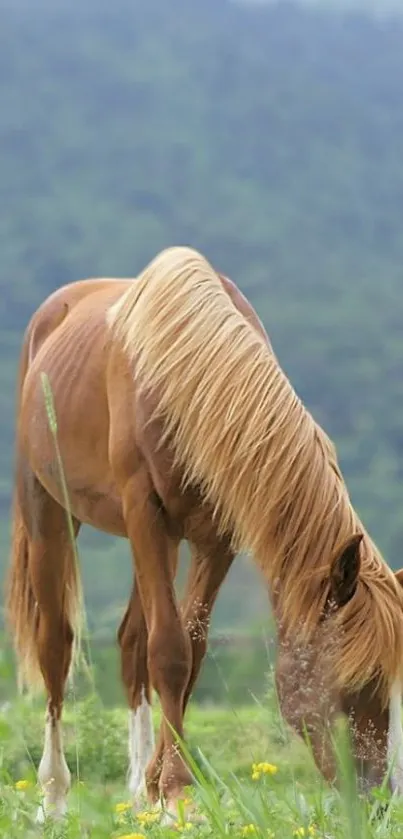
x: 175, y: 421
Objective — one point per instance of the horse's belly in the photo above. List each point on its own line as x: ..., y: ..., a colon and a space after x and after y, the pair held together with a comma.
x: 91, y: 502
x: 100, y: 507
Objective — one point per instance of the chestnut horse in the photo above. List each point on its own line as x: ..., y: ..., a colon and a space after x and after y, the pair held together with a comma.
x: 175, y: 421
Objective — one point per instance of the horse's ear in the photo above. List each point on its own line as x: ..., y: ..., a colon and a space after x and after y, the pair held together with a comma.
x: 345, y: 570
x: 399, y: 576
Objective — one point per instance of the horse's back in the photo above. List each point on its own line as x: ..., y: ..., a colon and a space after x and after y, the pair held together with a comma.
x: 98, y: 293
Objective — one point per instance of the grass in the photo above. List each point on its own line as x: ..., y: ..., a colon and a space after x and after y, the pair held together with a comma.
x: 252, y: 778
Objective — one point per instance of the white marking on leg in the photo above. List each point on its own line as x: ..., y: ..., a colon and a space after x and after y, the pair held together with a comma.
x: 141, y: 747
x: 53, y: 773
x: 395, y: 740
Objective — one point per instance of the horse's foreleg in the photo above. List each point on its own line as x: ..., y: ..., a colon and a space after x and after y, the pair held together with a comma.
x: 168, y: 649
x: 207, y: 573
x: 133, y: 644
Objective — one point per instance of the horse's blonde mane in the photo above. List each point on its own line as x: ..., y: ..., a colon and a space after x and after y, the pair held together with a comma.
x: 241, y: 433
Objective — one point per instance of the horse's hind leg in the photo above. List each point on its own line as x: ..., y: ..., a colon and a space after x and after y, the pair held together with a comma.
x: 133, y: 638
x: 54, y: 587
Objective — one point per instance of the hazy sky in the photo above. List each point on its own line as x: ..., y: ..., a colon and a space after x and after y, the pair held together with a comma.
x: 380, y: 7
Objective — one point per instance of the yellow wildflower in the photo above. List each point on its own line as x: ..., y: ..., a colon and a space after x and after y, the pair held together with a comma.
x: 147, y: 818
x: 122, y: 807
x: 183, y: 826
x: 132, y: 836
x: 248, y: 830
x: 305, y: 831
x: 23, y: 785
x: 263, y: 768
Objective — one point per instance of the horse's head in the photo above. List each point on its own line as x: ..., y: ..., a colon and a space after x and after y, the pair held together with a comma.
x: 311, y: 692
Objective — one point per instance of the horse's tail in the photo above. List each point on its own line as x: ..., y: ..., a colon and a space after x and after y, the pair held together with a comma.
x: 22, y: 617
x: 22, y: 614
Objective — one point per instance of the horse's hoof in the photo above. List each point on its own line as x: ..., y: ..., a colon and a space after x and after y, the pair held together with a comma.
x: 40, y: 815
x: 138, y: 797
x: 175, y: 814
x: 52, y: 812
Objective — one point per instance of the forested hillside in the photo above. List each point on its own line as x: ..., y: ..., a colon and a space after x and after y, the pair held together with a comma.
x: 268, y: 136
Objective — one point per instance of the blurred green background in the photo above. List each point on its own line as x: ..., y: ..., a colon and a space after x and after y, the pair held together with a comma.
x: 268, y: 135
